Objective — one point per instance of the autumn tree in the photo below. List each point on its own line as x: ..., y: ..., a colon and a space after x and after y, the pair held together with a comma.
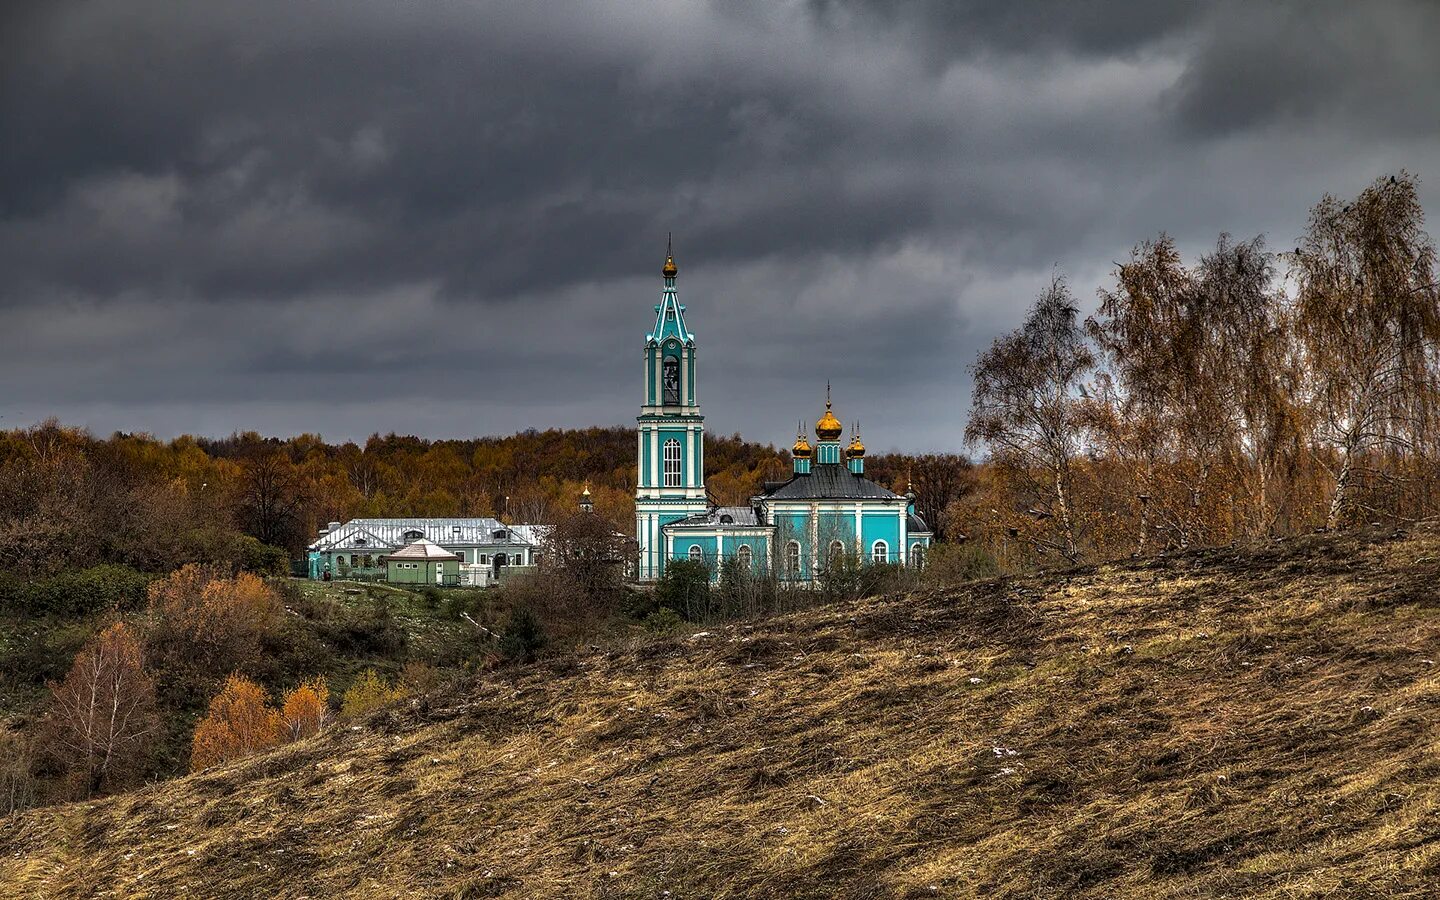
x: 1193, y: 394
x: 1024, y: 407
x: 239, y: 722
x: 205, y: 619
x: 102, y: 717
x: 1368, y: 319
x: 304, y: 710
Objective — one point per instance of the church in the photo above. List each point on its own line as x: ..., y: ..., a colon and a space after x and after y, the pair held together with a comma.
x: 826, y: 513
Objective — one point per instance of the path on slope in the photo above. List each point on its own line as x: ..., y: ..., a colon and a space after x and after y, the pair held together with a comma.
x: 1258, y: 723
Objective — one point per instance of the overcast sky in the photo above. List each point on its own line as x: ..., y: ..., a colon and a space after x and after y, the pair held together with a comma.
x: 449, y: 218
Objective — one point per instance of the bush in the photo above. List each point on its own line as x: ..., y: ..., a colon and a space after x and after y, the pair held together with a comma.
x: 203, y: 619
x: 663, y: 621
x: 250, y: 555
x: 76, y: 593
x: 947, y: 564
x: 523, y: 637
x: 368, y: 693
x: 430, y: 597
x: 685, y: 587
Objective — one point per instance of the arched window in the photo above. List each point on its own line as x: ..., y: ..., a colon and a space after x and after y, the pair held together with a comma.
x: 880, y: 552
x: 792, y: 559
x: 837, y: 552
x: 368, y: 561
x: 413, y: 535
x: 670, y: 380
x: 696, y: 554
x: 917, y: 555
x: 672, y: 463
x: 742, y: 556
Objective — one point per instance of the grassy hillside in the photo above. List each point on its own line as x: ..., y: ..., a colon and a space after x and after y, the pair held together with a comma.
x: 1223, y: 723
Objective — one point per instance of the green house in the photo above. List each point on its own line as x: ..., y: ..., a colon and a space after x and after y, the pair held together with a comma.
x: 422, y: 562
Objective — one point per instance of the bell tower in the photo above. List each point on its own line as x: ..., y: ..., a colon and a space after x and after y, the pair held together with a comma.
x: 670, y: 483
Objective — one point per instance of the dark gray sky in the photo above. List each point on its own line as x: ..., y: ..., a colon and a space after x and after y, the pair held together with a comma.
x: 449, y: 218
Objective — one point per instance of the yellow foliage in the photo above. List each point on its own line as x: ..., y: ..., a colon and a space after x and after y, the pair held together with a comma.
x: 213, y: 619
x: 240, y: 722
x: 304, y: 710
x: 369, y: 692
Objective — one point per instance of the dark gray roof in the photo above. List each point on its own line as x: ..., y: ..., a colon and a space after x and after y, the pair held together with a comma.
x: 828, y: 481
x: 740, y: 517
x: 914, y: 523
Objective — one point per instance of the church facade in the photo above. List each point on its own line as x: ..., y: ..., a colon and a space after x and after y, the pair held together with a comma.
x: 827, y: 513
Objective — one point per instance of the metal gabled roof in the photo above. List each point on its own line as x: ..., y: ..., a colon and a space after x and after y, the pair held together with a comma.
x: 424, y: 550
x: 740, y: 517
x: 389, y: 533
x: 829, y: 481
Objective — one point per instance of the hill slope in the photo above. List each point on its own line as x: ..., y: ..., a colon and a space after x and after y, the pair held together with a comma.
x: 1256, y: 723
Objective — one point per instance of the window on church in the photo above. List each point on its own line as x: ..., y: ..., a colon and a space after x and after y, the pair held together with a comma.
x: 792, y: 558
x: 917, y: 555
x: 672, y: 463
x: 696, y: 554
x: 742, y: 556
x: 670, y: 381
x: 880, y: 552
x: 837, y: 552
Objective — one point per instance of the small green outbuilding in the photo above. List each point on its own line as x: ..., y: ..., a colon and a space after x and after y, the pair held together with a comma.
x: 422, y: 562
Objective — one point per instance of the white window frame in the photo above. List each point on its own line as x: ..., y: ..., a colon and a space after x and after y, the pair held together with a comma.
x: 695, y: 554
x: 673, y: 462
x: 792, y: 559
x: 917, y: 555
x: 745, y: 555
x: 880, y: 552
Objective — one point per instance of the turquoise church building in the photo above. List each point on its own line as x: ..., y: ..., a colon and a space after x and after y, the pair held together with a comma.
x: 827, y: 513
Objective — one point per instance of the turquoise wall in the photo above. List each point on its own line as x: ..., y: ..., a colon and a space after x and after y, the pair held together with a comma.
x: 881, y: 528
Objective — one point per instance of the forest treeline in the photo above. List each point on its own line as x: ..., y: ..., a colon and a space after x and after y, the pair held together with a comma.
x: 71, y: 500
x: 1244, y: 394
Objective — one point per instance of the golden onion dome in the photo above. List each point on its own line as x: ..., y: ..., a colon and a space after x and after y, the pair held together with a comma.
x: 801, y: 450
x: 829, y: 427
x: 856, y: 447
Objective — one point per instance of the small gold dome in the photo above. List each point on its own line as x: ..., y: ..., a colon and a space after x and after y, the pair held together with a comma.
x: 829, y: 427
x: 856, y: 447
x: 801, y: 450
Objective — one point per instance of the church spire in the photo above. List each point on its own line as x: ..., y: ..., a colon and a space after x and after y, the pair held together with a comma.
x: 670, y: 315
x: 670, y: 270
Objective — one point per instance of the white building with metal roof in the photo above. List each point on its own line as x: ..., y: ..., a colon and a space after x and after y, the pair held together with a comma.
x: 484, y: 545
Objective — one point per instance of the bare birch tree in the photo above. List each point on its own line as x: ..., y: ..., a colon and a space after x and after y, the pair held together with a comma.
x: 1025, y: 406
x: 1368, y: 319
x: 103, y: 715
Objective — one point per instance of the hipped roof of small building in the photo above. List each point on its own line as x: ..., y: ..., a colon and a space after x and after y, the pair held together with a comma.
x: 423, y: 549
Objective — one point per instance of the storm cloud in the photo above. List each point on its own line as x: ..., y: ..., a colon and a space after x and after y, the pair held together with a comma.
x: 449, y: 218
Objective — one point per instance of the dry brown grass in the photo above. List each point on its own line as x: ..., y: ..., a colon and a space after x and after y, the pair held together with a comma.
x: 1224, y: 723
